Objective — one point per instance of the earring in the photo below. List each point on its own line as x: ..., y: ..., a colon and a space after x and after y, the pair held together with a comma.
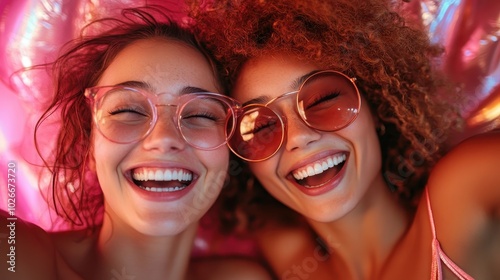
x: 381, y: 129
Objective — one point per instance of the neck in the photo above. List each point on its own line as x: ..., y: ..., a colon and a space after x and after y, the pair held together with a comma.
x: 124, y: 252
x: 361, y: 241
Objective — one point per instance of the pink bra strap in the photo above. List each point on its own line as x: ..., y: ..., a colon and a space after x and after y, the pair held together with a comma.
x: 438, y: 255
x: 436, y: 269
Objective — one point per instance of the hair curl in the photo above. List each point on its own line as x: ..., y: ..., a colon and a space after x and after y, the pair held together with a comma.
x: 392, y: 60
x: 74, y: 190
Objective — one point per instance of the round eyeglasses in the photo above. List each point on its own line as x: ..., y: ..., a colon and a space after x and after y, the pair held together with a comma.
x: 126, y: 114
x: 326, y: 101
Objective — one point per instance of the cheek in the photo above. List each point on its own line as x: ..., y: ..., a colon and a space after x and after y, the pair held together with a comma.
x: 367, y: 144
x: 216, y: 161
x: 107, y: 156
x: 370, y: 154
x: 265, y: 171
x: 103, y: 152
x: 212, y: 180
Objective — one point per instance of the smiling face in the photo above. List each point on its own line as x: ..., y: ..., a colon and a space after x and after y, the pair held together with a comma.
x: 159, y: 185
x: 322, y: 175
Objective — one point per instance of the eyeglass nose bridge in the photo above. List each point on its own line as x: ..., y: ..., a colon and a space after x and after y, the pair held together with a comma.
x: 167, y: 105
x: 297, y: 107
x: 230, y: 123
x: 176, y: 121
x: 96, y: 94
x: 284, y: 95
x: 156, y: 118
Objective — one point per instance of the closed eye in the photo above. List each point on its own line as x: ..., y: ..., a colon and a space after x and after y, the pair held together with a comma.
x: 203, y: 120
x: 322, y: 99
x: 260, y: 127
x: 127, y: 110
x: 129, y: 116
x: 205, y: 115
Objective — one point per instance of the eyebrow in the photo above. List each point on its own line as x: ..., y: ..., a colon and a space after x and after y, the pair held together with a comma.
x: 263, y: 99
x: 148, y: 87
x: 300, y: 80
x: 190, y: 89
x: 137, y: 84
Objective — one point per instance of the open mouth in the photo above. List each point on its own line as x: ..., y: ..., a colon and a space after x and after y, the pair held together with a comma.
x: 321, y: 172
x: 162, y: 179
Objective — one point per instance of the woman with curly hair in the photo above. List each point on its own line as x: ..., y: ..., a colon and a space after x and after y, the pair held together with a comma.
x: 140, y: 157
x: 344, y: 122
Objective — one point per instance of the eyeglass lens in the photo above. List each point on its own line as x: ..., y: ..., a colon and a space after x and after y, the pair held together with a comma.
x: 125, y: 115
x: 327, y: 101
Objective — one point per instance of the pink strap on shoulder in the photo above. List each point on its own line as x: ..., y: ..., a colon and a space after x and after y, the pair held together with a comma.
x: 438, y: 254
x: 436, y: 270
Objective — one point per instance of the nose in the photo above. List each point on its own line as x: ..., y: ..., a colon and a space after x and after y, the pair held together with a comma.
x: 298, y: 134
x: 165, y: 135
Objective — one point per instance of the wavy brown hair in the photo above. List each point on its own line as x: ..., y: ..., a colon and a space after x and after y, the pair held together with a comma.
x: 74, y: 190
x: 392, y: 60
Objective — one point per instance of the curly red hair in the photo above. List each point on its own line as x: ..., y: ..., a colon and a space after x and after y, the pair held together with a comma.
x: 392, y: 60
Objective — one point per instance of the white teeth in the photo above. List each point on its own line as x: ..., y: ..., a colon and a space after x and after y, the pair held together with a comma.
x: 162, y: 175
x: 324, y: 166
x: 171, y: 189
x: 158, y: 175
x: 310, y: 171
x: 319, y: 166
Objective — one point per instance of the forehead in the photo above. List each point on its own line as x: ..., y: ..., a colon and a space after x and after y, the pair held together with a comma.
x: 270, y: 76
x: 162, y: 63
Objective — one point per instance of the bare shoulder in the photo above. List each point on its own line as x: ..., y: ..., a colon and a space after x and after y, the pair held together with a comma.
x: 464, y: 194
x: 482, y: 149
x: 470, y: 170
x: 228, y: 268
x: 30, y: 253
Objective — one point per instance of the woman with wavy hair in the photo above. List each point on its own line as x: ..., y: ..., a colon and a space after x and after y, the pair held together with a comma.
x: 139, y: 158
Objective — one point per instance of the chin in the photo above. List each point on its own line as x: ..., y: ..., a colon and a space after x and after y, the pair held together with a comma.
x: 328, y: 213
x: 160, y: 224
x: 165, y: 229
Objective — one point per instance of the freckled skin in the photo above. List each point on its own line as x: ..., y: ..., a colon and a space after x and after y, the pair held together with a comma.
x: 164, y: 144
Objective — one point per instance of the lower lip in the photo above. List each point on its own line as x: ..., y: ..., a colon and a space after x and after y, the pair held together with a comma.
x: 328, y: 186
x: 161, y: 196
